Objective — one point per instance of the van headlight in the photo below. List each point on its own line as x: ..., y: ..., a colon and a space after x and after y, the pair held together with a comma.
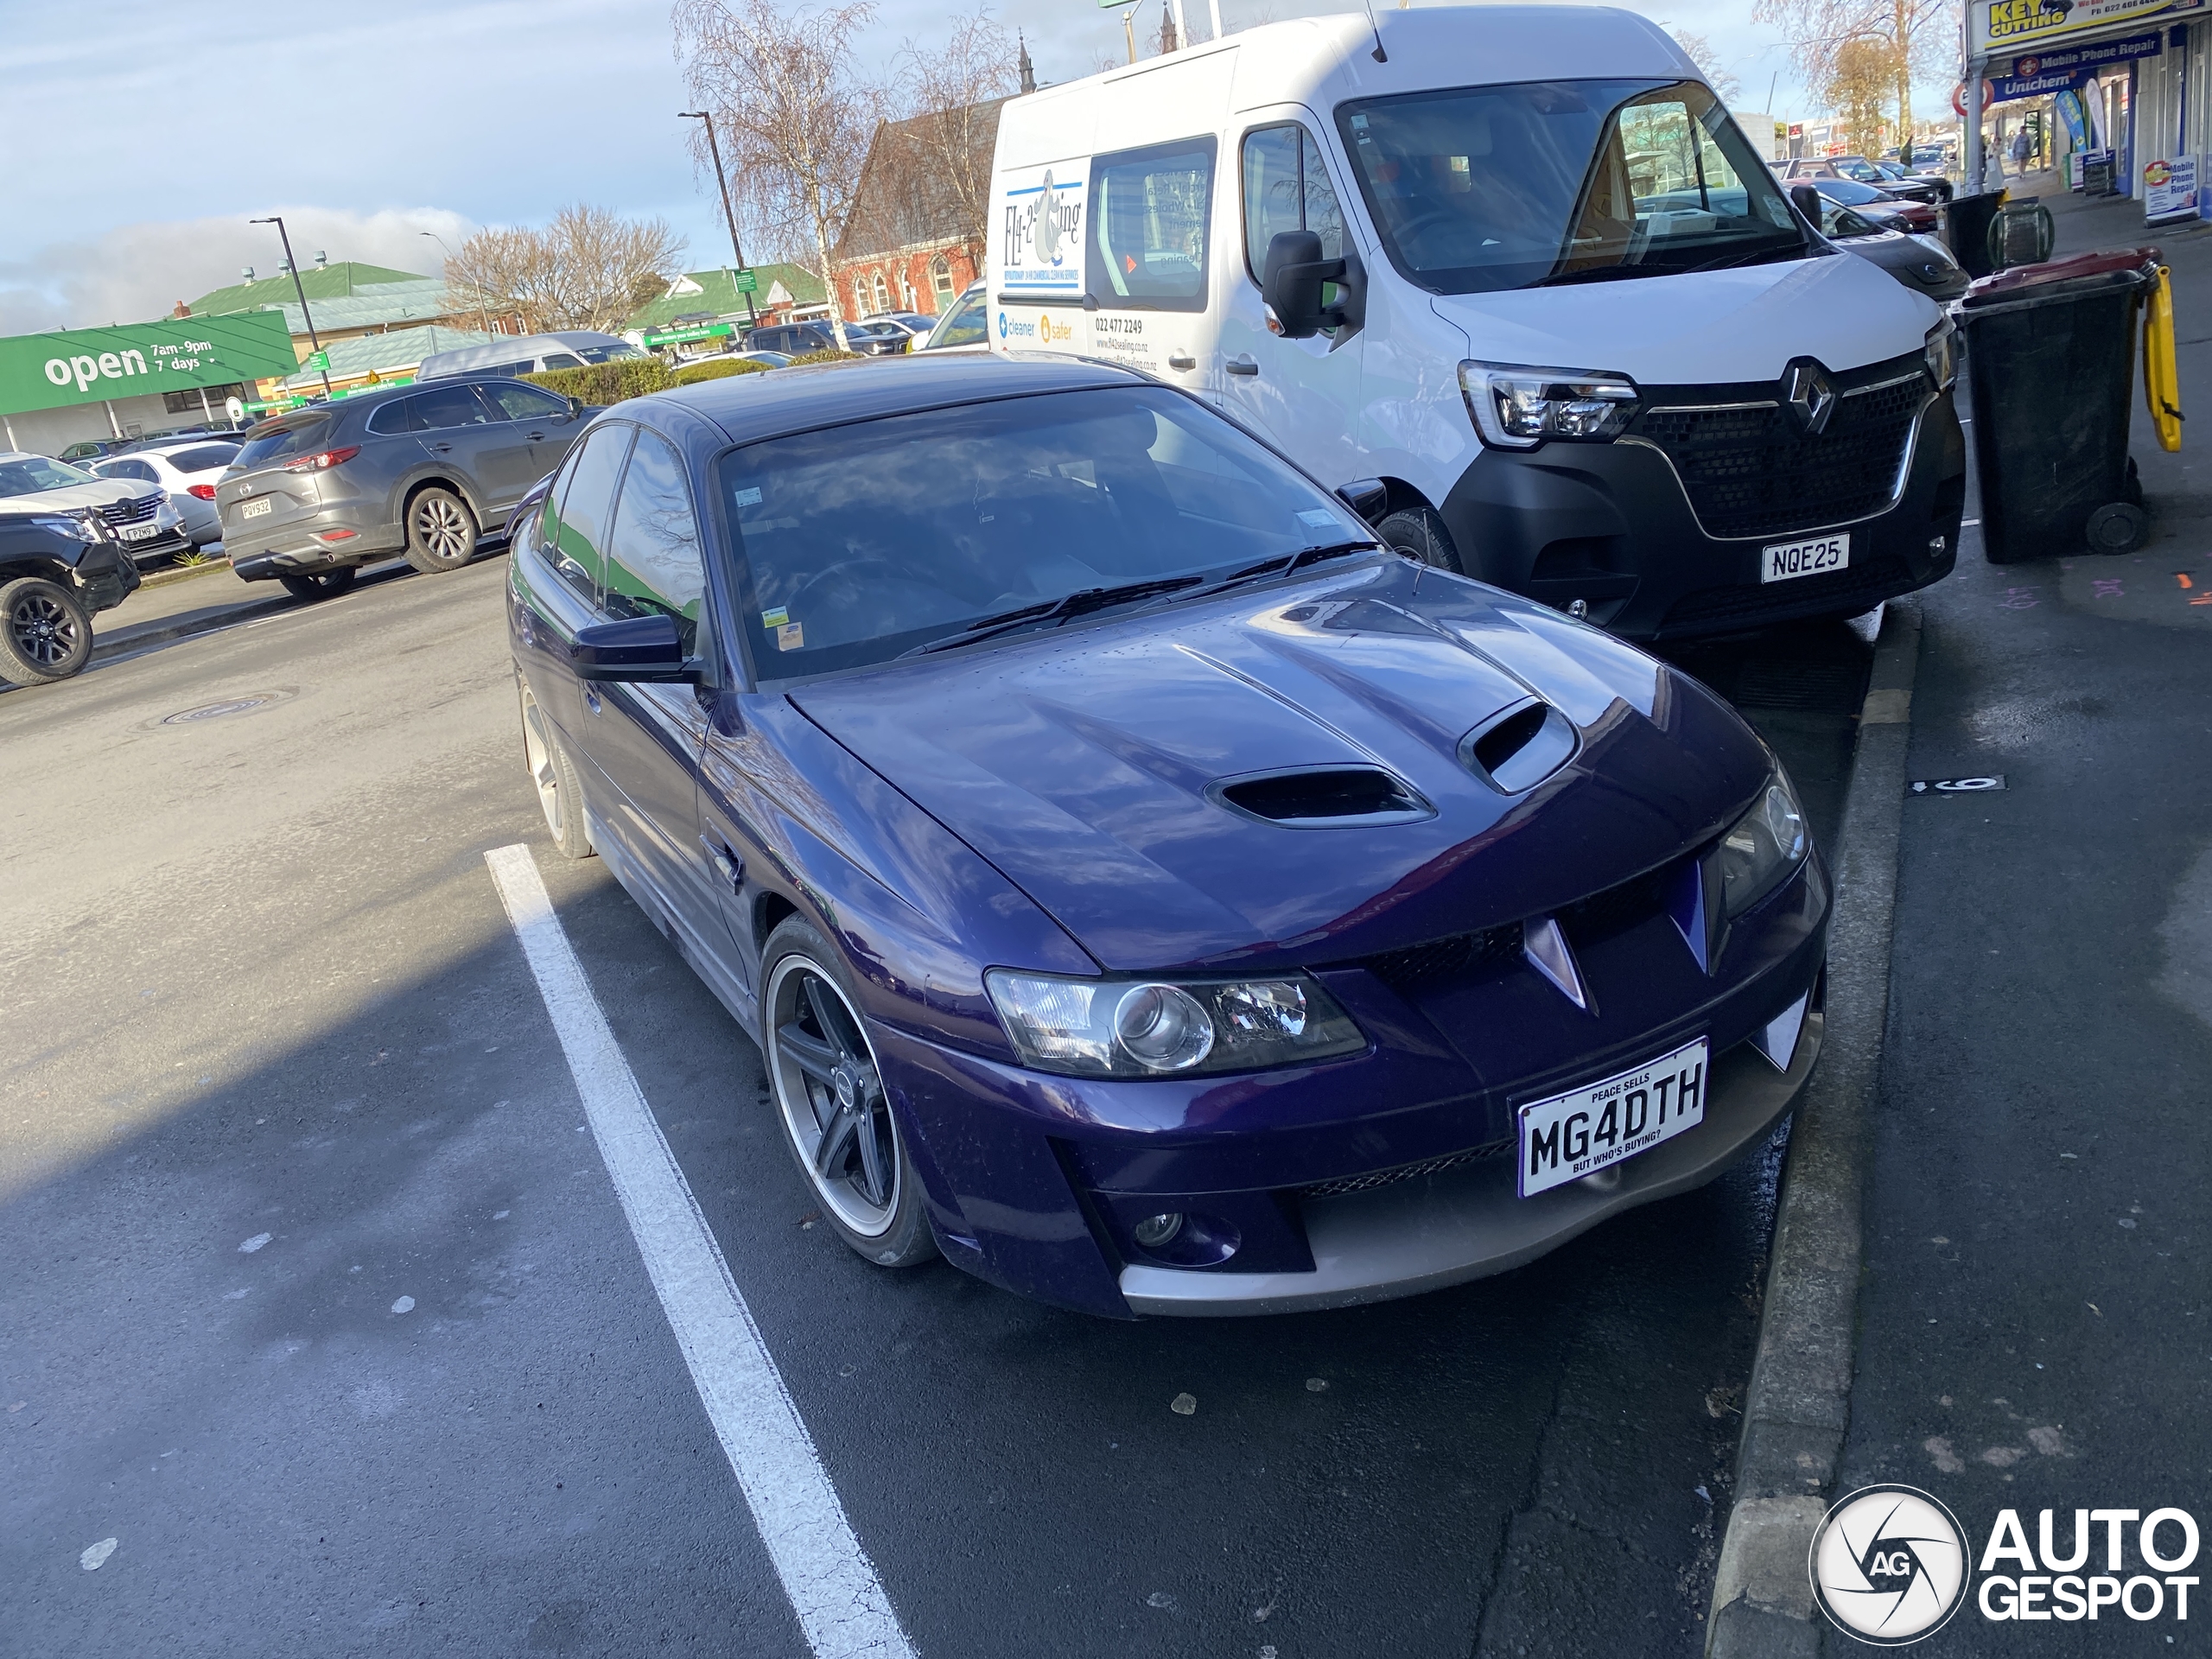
x: 1518, y: 408
x: 1764, y: 845
x: 1154, y: 1028
x: 1941, y: 353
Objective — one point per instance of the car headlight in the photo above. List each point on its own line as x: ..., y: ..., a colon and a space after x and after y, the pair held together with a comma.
x: 1942, y: 352
x: 1150, y: 1028
x: 85, y: 526
x: 1766, y: 843
x: 1517, y: 407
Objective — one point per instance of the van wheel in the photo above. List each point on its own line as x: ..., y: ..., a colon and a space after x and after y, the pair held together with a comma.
x: 44, y: 633
x: 1419, y: 534
x: 440, y: 532
x: 321, y: 584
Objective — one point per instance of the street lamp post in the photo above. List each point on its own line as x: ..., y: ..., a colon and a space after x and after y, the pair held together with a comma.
x: 299, y: 288
x: 482, y: 315
x: 751, y: 317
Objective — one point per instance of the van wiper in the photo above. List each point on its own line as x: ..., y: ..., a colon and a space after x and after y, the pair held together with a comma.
x: 1594, y: 274
x: 1079, y: 603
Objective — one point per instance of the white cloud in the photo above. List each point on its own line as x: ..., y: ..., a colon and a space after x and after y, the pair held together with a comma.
x: 136, y: 272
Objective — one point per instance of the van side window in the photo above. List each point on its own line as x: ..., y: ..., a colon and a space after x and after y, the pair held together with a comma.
x: 1149, y: 213
x: 1287, y: 188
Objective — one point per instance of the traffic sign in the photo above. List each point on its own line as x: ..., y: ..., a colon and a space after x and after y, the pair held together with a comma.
x: 320, y: 362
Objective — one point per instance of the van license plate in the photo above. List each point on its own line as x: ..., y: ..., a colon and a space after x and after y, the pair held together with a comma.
x: 1582, y: 1131
x: 1780, y: 561
x: 255, y: 509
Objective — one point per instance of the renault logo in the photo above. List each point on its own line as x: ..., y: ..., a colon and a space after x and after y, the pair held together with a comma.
x: 1805, y: 388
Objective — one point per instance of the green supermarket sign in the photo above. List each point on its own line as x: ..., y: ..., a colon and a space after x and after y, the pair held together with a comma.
x: 748, y: 282
x: 90, y: 366
x: 655, y: 338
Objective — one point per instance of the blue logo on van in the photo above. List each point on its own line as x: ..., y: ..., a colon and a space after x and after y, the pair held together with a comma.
x: 1001, y: 324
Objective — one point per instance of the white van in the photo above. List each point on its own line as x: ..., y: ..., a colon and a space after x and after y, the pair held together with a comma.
x: 569, y: 348
x: 1517, y: 264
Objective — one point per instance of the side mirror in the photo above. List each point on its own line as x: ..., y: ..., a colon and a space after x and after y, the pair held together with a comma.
x: 640, y: 649
x: 1291, y: 285
x: 576, y: 409
x: 1806, y: 200
x: 1368, y: 497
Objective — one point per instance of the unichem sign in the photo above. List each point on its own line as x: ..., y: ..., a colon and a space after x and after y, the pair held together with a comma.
x: 86, y: 366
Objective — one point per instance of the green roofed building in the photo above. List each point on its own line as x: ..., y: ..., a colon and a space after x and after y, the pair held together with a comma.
x: 782, y: 293
x: 387, y: 357
x: 338, y: 281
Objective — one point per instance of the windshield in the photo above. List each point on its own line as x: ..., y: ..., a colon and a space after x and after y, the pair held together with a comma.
x: 1481, y: 189
x: 858, y: 543
x: 27, y: 474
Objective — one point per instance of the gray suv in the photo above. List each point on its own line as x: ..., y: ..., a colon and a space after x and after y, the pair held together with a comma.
x: 424, y: 471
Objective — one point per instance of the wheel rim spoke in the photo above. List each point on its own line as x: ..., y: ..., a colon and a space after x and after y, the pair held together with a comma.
x: 810, y: 1053
x: 873, y: 1179
x: 821, y: 1001
x: 833, y: 1100
x: 836, y: 1142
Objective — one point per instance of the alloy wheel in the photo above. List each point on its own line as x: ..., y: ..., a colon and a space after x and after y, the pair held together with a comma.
x: 831, y: 1094
x: 538, y: 753
x: 440, y: 527
x: 43, y: 630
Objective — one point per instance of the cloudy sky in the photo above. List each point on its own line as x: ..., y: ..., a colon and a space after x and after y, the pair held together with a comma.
x: 140, y: 136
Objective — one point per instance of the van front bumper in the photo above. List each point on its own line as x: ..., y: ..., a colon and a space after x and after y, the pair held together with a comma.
x: 1612, y: 524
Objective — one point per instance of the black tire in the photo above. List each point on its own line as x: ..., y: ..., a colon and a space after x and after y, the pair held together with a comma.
x: 1418, y: 533
x: 45, y: 634
x: 321, y: 584
x: 560, y: 796
x: 441, y: 532
x: 2118, y: 527
x: 812, y: 1034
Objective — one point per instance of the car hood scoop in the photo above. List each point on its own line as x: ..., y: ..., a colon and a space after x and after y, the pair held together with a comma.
x: 1347, y: 768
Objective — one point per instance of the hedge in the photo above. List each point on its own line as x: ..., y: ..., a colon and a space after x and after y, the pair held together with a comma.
x: 715, y: 368
x: 600, y: 384
x: 827, y: 355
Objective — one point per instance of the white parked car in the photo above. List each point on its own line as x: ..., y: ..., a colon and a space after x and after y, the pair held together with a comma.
x: 188, y: 473
x: 140, y: 514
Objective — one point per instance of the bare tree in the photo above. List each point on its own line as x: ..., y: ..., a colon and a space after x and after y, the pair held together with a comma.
x: 1919, y: 37
x: 794, y: 112
x: 951, y: 95
x: 588, y: 268
x: 1700, y: 53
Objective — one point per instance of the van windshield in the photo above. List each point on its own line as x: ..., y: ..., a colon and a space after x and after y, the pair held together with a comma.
x: 1482, y: 188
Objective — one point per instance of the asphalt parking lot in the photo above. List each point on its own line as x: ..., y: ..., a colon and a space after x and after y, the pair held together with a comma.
x: 325, y: 1312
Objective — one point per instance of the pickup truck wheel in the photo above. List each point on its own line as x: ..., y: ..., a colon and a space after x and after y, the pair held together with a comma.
x: 1418, y: 533
x: 321, y: 584
x: 440, y: 532
x: 45, y: 634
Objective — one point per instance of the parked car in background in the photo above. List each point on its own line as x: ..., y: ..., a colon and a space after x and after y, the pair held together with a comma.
x: 138, y: 512
x: 964, y: 327
x: 1858, y: 170
x: 87, y: 449
x: 914, y: 322
x: 425, y: 471
x: 880, y: 338
x: 1878, y: 205
x: 1920, y: 262
x: 61, y: 564
x: 525, y: 354
x: 792, y: 339
x: 1459, y: 927
x: 189, y: 472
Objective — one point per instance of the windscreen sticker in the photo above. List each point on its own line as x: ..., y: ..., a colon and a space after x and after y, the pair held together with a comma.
x: 791, y: 637
x: 1042, y: 211
x: 1319, y: 518
x: 748, y: 498
x: 775, y: 619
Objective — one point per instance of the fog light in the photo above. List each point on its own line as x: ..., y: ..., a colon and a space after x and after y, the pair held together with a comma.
x: 1155, y: 1230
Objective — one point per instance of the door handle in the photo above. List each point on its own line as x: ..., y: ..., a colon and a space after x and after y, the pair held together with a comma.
x: 726, y: 862
x: 535, y: 437
x: 437, y: 448
x: 1179, y: 358
x: 1241, y: 364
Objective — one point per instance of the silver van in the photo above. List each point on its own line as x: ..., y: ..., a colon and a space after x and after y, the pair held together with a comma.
x: 525, y: 354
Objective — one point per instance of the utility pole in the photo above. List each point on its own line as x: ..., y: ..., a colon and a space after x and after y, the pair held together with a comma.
x: 751, y: 317
x: 299, y: 288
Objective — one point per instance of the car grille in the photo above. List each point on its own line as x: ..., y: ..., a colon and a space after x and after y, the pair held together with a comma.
x: 1752, y: 472
x: 1858, y: 588
x: 1404, y: 1172
x: 135, y: 511
x: 1610, y: 911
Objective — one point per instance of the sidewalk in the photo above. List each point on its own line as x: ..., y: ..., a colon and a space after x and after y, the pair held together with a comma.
x: 2034, y: 1309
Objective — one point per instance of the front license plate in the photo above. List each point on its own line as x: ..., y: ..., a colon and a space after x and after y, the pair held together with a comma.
x: 1780, y: 561
x: 1582, y: 1131
x: 139, y: 532
x: 255, y: 509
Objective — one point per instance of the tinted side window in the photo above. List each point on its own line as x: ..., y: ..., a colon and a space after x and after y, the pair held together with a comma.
x: 576, y: 533
x: 203, y: 459
x: 448, y: 406
x: 513, y: 402
x: 1147, y: 239
x: 127, y: 469
x: 395, y: 416
x: 563, y: 360
x: 652, y: 554
x: 1287, y: 188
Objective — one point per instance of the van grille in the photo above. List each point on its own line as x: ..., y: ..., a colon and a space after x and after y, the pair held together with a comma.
x: 1752, y: 472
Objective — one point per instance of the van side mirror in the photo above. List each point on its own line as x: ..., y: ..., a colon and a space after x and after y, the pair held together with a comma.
x: 1368, y: 497
x: 644, y: 649
x: 1806, y: 200
x: 1292, y: 283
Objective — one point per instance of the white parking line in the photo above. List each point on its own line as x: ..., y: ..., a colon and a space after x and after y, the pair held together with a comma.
x: 832, y: 1585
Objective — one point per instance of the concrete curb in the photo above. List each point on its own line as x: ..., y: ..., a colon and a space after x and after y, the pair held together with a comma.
x: 1799, y: 1403
x: 122, y: 645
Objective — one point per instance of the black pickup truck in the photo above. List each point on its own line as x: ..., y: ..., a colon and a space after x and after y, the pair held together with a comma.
x: 57, y: 571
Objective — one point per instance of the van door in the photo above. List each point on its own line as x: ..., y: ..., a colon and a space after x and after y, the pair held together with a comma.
x: 1148, y: 254
x: 1302, y: 394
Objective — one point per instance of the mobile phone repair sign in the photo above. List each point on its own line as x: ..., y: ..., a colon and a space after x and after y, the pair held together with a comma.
x: 89, y: 366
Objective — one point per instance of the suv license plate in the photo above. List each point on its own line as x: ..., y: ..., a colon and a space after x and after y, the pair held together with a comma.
x: 255, y: 508
x: 1780, y: 561
x: 1582, y: 1131
x: 139, y: 532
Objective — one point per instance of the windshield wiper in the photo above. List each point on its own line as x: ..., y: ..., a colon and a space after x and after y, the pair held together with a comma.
x: 1595, y: 274
x: 1284, y: 567
x: 1079, y: 603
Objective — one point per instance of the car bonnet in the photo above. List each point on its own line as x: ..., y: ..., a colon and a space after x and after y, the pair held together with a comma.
x: 100, y: 493
x: 1088, y: 766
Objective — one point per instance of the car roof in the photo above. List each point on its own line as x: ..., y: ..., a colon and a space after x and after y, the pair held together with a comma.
x: 752, y: 406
